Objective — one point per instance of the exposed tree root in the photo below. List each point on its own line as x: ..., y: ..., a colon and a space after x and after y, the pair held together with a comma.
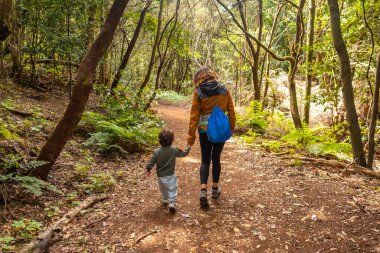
x: 45, y: 239
x: 18, y: 112
x: 348, y: 168
x: 145, y: 235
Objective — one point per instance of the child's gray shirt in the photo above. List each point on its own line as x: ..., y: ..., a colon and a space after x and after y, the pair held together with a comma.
x: 165, y: 158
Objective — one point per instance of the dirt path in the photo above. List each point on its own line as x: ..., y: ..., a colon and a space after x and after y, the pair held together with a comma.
x: 266, y: 206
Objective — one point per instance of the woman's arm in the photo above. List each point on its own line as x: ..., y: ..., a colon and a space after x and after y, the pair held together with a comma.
x: 194, y: 119
x: 231, y: 112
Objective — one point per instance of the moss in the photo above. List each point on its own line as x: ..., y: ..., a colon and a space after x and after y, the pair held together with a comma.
x: 5, y: 133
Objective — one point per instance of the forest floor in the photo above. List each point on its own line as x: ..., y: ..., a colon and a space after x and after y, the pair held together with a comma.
x: 267, y: 204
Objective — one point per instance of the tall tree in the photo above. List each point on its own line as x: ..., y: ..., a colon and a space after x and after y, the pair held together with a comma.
x: 309, y: 59
x: 5, y: 15
x: 295, y: 51
x: 255, y: 52
x: 83, y: 86
x: 154, y: 49
x: 293, y: 58
x: 162, y: 56
x: 346, y: 79
x: 131, y: 45
x: 375, y: 112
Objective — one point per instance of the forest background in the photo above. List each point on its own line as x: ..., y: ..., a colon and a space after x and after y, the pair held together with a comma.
x: 304, y: 76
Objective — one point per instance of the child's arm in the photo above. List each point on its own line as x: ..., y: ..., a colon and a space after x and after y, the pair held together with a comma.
x: 152, y: 161
x: 183, y: 153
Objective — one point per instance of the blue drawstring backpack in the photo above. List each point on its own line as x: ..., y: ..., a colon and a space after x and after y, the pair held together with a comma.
x: 218, y: 129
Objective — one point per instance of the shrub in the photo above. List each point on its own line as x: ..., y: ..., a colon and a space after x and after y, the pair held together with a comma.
x: 339, y: 150
x: 5, y: 133
x: 99, y: 182
x: 301, y: 136
x: 255, y: 118
x: 26, y: 229
x: 171, y: 96
x: 81, y: 170
x: 31, y: 185
x: 6, y: 244
x: 121, y: 128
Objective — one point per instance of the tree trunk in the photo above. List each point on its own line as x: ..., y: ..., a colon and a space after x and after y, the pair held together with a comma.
x: 253, y: 52
x: 273, y: 30
x: 65, y: 128
x: 91, y: 24
x: 131, y: 45
x: 153, y: 55
x: 375, y: 111
x: 309, y: 59
x: 295, y: 50
x: 347, y: 89
x: 293, y: 96
x: 162, y: 58
x: 256, y: 62
x: 5, y: 15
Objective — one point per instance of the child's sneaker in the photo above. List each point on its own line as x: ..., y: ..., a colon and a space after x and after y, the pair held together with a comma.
x: 172, y: 207
x: 215, y: 193
x: 203, y: 198
x: 165, y: 202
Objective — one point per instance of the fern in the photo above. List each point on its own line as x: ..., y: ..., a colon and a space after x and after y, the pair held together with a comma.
x: 256, y: 118
x: 99, y: 182
x: 339, y: 150
x: 300, y: 136
x: 32, y: 165
x: 31, y: 185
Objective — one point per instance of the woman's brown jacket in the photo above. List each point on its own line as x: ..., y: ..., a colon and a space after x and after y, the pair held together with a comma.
x: 203, y: 105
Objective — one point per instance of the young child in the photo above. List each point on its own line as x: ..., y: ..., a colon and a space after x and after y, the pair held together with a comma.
x: 165, y: 158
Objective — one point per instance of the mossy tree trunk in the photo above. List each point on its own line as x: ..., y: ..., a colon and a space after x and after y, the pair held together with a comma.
x: 5, y: 14
x: 346, y: 79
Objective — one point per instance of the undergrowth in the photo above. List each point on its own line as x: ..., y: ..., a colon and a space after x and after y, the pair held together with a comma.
x: 276, y: 133
x: 14, y: 170
x: 171, y: 96
x: 120, y: 128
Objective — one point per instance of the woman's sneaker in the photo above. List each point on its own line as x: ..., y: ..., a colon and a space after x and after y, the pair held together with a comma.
x: 165, y: 202
x: 172, y: 207
x: 203, y: 198
x: 215, y: 193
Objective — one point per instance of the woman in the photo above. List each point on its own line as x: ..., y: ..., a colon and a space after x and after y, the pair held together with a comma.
x: 208, y: 93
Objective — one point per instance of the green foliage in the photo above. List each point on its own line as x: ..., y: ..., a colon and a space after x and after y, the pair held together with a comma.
x: 32, y: 165
x: 303, y: 136
x: 7, y: 104
x: 26, y: 229
x: 273, y: 145
x: 122, y: 128
x: 256, y: 118
x: 82, y: 170
x: 339, y: 150
x: 171, y: 96
x: 10, y: 161
x: 31, y: 185
x: 6, y: 244
x: 250, y: 137
x: 99, y: 182
x: 279, y: 125
x: 52, y: 211
x: 5, y: 133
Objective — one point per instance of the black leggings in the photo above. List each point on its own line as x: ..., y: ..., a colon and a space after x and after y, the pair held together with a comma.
x: 210, y: 151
